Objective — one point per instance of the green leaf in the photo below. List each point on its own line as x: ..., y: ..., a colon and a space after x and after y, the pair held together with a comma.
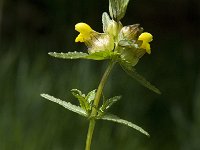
x: 69, y: 55
x: 82, y: 99
x: 117, y: 9
x: 108, y: 103
x: 91, y: 96
x: 134, y: 74
x: 116, y: 119
x: 101, y: 55
x: 67, y: 105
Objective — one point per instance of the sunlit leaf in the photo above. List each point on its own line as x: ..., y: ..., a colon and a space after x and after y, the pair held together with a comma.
x: 116, y: 119
x: 69, y: 55
x: 134, y: 74
x: 67, y: 105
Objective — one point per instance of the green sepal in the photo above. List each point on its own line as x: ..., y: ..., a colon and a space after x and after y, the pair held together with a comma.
x: 67, y: 105
x: 108, y: 103
x: 128, y: 44
x: 130, y: 53
x: 113, y: 118
x: 134, y: 74
x: 106, y: 21
x: 117, y: 9
x: 101, y: 55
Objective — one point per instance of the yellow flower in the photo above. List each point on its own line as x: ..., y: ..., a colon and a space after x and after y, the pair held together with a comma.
x: 85, y: 32
x: 146, y: 38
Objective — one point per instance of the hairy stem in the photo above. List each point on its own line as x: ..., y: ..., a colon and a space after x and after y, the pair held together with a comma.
x: 96, y: 103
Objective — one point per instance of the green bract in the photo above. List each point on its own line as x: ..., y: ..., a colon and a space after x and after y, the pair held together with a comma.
x: 117, y: 8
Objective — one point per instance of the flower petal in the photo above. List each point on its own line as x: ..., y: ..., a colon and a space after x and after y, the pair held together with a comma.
x: 146, y: 37
x: 83, y: 28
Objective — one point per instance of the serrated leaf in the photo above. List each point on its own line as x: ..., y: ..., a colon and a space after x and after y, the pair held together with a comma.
x: 90, y: 97
x: 69, y: 55
x: 67, y: 105
x: 116, y: 119
x: 134, y: 74
x: 108, y: 103
x: 101, y: 55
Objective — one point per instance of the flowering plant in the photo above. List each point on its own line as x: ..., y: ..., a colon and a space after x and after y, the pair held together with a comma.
x: 120, y: 44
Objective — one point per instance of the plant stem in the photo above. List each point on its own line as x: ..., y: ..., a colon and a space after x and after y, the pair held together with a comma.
x: 96, y: 103
x: 90, y: 133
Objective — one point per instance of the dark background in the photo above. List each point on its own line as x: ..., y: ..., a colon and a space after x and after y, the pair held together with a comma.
x: 29, y: 29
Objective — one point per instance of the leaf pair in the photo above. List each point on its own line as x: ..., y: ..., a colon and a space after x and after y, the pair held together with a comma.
x: 86, y: 102
x: 82, y: 112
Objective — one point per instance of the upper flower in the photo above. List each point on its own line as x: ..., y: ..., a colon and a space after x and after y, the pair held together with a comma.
x: 130, y: 42
x: 94, y: 41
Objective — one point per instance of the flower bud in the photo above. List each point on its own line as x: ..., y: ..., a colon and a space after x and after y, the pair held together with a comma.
x: 117, y: 9
x: 114, y: 28
x: 130, y: 32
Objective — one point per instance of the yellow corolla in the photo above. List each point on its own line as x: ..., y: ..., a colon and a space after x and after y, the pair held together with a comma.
x: 146, y: 38
x: 85, y: 32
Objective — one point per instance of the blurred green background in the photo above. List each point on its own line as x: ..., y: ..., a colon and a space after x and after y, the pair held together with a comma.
x: 29, y: 29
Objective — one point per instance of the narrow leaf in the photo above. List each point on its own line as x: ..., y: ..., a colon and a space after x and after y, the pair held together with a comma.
x: 81, y: 98
x: 108, y: 103
x: 101, y: 55
x: 134, y: 74
x: 67, y: 105
x: 116, y: 119
x: 69, y: 55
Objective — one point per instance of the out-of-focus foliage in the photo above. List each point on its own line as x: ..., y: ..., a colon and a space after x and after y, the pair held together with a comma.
x: 30, y: 29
